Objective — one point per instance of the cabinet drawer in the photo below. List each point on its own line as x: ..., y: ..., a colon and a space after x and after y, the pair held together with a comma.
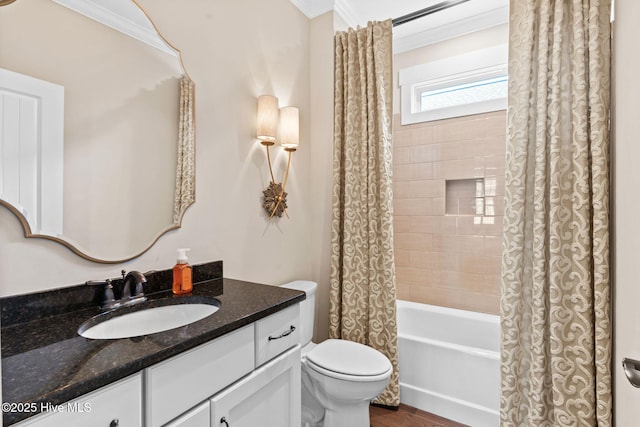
x: 180, y: 383
x: 277, y: 333
x: 121, y: 401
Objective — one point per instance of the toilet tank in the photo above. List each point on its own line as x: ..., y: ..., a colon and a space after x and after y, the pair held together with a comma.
x: 307, y: 308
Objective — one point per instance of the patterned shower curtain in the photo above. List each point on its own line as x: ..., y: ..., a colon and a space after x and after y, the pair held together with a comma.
x: 185, y: 193
x: 556, y: 320
x: 363, y: 288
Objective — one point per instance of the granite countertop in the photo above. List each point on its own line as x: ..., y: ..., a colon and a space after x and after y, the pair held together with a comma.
x: 46, y: 361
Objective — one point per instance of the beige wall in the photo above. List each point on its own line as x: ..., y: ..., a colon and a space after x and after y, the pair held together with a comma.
x: 321, y: 168
x: 233, y: 57
x: 448, y: 257
x: 626, y: 181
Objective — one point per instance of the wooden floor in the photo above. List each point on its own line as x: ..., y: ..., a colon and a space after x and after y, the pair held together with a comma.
x: 407, y: 416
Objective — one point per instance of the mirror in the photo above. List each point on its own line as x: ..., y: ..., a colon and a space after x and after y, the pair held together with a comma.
x: 96, y: 126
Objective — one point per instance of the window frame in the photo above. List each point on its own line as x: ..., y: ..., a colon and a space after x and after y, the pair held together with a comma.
x: 471, y: 67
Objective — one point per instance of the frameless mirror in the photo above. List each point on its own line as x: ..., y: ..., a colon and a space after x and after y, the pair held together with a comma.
x: 96, y: 126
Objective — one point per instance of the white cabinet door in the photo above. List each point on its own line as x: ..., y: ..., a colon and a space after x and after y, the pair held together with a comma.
x: 197, y: 417
x: 118, y: 404
x: 178, y: 384
x: 268, y: 397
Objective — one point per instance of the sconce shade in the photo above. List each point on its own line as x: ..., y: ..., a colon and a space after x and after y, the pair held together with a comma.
x: 289, y: 127
x: 267, y: 118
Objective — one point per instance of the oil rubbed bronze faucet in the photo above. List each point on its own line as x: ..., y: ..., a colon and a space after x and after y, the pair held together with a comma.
x: 126, y: 297
x: 138, y: 279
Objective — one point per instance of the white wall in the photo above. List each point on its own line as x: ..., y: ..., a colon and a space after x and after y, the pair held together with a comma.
x: 234, y: 51
x: 626, y: 205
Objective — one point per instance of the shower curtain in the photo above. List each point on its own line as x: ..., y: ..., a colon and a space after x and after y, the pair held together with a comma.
x: 556, y: 320
x: 185, y: 192
x: 362, y: 282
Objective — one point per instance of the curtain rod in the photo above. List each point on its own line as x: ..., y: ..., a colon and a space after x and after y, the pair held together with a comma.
x: 426, y: 11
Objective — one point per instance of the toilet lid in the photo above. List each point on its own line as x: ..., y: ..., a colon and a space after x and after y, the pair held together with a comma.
x: 348, y: 357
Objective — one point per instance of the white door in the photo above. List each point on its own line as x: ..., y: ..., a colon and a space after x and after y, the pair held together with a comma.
x: 626, y: 213
x: 31, y: 149
x: 268, y: 397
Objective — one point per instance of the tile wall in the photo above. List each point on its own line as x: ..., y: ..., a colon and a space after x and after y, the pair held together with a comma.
x: 448, y: 206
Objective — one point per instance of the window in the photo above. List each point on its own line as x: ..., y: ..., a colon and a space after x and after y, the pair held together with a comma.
x: 462, y: 94
x: 467, y: 84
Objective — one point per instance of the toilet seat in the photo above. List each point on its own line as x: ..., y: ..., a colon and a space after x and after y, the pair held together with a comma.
x: 348, y: 360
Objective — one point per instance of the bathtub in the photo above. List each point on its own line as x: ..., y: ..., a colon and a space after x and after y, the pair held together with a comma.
x: 449, y: 362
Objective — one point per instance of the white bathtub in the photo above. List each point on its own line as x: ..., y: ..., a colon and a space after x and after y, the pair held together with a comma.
x: 449, y: 362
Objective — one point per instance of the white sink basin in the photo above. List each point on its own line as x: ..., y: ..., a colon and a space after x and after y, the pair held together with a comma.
x: 147, y: 321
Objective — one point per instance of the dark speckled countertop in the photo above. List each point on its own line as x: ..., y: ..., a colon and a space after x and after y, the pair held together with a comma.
x: 44, y: 360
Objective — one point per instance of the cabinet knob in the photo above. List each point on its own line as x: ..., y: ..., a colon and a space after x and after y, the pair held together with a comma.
x: 224, y: 420
x: 114, y: 422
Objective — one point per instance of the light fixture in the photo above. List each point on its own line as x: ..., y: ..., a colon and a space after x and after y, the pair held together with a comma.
x: 283, y: 126
x: 267, y: 119
x: 289, y: 131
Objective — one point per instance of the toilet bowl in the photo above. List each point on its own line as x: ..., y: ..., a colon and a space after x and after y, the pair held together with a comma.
x: 339, y: 377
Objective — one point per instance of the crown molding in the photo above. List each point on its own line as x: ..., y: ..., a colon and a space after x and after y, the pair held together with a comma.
x: 98, y: 12
x: 492, y: 18
x: 344, y: 9
x: 459, y: 28
x: 314, y: 8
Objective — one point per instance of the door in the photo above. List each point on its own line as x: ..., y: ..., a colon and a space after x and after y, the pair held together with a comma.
x: 31, y: 149
x: 626, y: 206
x: 268, y: 397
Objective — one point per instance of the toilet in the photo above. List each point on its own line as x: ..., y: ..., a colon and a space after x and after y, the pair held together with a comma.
x: 339, y: 378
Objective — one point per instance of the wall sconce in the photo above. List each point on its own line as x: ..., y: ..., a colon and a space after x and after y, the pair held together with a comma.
x: 281, y: 125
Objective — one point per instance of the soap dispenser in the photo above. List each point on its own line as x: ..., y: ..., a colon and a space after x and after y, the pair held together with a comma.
x: 182, y: 283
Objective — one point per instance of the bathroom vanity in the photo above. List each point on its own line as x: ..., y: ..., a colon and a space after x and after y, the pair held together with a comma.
x: 237, y: 367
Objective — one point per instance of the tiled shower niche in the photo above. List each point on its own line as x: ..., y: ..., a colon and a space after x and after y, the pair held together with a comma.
x: 464, y: 197
x: 448, y: 207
